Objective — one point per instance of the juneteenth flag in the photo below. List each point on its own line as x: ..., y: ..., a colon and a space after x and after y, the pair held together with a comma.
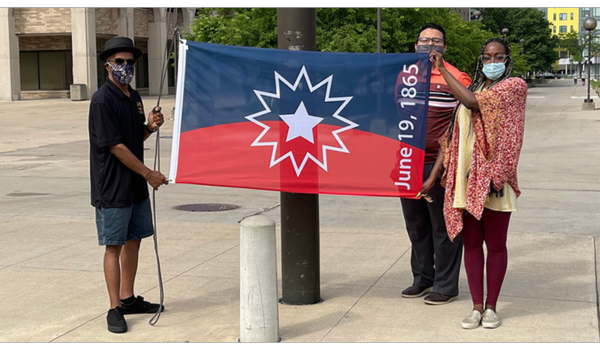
x: 300, y: 121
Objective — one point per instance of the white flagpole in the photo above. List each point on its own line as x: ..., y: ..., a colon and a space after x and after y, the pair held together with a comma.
x: 178, y: 110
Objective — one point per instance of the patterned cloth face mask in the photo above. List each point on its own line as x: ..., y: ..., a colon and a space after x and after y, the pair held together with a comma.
x: 122, y: 73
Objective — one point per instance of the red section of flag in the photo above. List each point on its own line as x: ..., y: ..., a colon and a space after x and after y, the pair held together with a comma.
x: 374, y: 165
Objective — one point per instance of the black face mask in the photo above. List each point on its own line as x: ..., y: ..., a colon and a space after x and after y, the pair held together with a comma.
x: 429, y: 48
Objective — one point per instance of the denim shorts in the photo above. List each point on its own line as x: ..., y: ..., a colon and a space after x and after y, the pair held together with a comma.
x: 119, y: 225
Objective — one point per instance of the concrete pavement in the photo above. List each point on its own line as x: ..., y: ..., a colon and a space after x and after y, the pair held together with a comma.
x: 52, y: 285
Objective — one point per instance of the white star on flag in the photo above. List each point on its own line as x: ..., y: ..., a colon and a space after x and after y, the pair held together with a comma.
x: 301, y: 124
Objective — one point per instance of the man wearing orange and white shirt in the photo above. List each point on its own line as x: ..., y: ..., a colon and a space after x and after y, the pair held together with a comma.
x: 435, y: 260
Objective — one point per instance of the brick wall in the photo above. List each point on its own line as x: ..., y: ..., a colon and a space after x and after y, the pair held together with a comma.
x: 42, y: 20
x: 141, y: 18
x: 40, y: 43
x: 107, y: 21
x: 58, y: 20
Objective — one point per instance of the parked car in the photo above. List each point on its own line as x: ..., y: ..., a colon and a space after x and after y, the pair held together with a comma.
x: 550, y: 75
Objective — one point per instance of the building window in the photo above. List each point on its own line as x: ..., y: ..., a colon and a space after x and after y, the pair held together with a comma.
x: 590, y: 12
x: 554, y: 29
x: 571, y: 16
x: 571, y: 29
x: 563, y: 54
x: 46, y: 70
x: 554, y: 16
x: 585, y: 12
x: 562, y: 29
x: 563, y: 17
x: 141, y: 72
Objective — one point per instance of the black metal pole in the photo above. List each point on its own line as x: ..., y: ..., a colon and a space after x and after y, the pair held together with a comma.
x: 589, y: 67
x: 300, y: 261
x: 379, y: 30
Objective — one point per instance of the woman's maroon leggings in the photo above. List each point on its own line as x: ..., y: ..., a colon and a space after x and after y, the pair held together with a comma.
x: 491, y: 229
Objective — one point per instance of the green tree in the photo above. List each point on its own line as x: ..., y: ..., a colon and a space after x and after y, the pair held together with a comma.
x: 254, y: 27
x: 355, y: 30
x: 577, y: 46
x: 348, y: 30
x: 519, y: 61
x: 529, y: 24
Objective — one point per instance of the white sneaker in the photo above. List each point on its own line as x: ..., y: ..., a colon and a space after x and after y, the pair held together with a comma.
x: 490, y: 319
x: 472, y: 321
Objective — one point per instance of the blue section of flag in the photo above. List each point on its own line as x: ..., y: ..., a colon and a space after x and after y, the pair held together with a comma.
x: 221, y: 81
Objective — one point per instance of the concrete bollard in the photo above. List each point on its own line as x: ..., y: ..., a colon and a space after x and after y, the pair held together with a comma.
x: 259, y: 307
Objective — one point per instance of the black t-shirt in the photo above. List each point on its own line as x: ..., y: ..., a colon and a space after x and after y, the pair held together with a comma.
x: 115, y: 118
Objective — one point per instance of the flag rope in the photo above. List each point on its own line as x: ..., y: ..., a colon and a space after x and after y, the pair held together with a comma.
x: 156, y: 166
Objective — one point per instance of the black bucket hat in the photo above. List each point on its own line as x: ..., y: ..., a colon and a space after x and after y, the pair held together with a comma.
x: 119, y: 44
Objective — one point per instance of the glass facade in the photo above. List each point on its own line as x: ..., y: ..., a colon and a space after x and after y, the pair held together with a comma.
x: 49, y: 70
x: 590, y: 12
x: 141, y: 72
x: 46, y: 70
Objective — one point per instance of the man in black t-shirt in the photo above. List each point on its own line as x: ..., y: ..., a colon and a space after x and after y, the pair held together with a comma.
x: 119, y: 178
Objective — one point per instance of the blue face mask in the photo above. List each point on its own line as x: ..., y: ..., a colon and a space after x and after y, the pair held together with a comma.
x: 494, y: 71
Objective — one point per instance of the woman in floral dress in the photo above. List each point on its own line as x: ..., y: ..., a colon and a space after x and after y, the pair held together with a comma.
x: 480, y: 152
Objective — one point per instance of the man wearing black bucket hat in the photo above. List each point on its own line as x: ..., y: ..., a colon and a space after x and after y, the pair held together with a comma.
x: 119, y: 178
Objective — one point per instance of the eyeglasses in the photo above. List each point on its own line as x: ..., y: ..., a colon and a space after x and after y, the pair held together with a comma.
x: 425, y: 40
x: 497, y: 59
x: 120, y: 61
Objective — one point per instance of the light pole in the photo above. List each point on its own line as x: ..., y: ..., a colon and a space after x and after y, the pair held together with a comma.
x: 589, y: 24
x: 300, y: 256
x: 505, y: 32
x: 476, y: 14
x: 522, y: 41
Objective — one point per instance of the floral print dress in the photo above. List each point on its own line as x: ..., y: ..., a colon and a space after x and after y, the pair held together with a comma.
x: 498, y: 129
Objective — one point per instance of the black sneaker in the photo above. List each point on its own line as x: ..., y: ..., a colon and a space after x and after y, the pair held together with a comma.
x: 439, y: 299
x: 416, y: 291
x: 139, y: 306
x: 115, y: 320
